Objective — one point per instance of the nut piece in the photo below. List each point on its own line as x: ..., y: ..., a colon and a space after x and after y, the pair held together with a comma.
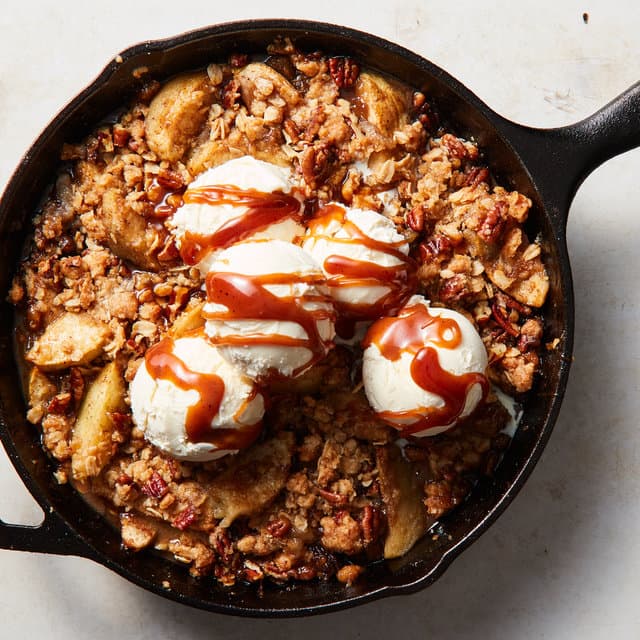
x: 70, y: 340
x: 385, y: 103
x: 93, y: 443
x: 407, y: 518
x: 344, y: 72
x: 177, y: 114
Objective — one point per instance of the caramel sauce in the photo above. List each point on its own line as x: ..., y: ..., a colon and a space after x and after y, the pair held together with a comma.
x: 342, y: 272
x: 263, y: 210
x: 409, y: 333
x: 163, y: 364
x: 246, y: 297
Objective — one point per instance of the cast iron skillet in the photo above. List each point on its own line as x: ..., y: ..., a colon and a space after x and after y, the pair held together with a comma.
x: 546, y: 165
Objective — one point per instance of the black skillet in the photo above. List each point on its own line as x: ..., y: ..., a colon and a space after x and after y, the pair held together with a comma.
x: 547, y: 165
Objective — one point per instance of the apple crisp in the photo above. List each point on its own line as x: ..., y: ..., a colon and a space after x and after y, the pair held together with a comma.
x: 327, y: 488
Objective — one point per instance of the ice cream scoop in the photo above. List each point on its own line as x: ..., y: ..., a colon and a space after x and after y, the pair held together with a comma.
x: 191, y: 403
x: 424, y: 369
x: 268, y: 308
x: 241, y: 199
x: 364, y: 258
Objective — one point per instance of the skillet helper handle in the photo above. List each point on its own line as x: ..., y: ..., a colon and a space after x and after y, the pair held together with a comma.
x: 610, y: 131
x: 51, y: 536
x: 561, y: 158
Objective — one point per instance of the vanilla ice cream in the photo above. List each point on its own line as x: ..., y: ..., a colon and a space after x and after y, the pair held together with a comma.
x: 424, y: 369
x: 191, y: 403
x: 268, y: 309
x: 364, y: 259
x: 241, y: 199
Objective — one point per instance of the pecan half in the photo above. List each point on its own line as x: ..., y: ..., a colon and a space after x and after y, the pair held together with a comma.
x: 415, y: 219
x: 454, y: 146
x: 344, y: 71
x: 494, y: 222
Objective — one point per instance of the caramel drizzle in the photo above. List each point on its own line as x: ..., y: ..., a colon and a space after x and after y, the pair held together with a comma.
x: 247, y: 298
x: 408, y: 333
x: 163, y: 364
x: 344, y: 272
x: 263, y: 210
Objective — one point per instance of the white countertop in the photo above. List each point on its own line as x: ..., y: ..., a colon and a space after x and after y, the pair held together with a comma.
x: 563, y: 561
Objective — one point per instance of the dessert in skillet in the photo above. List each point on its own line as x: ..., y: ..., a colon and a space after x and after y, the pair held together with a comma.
x: 268, y: 313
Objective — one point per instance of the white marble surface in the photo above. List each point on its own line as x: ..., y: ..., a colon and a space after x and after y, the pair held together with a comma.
x: 562, y: 562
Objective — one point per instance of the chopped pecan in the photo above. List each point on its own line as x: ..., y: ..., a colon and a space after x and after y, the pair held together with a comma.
x: 280, y: 527
x: 221, y: 542
x: 530, y: 335
x: 344, y: 71
x: 185, y: 518
x: 155, y: 487
x: 125, y: 479
x: 370, y: 524
x: 318, y: 116
x: 169, y: 251
x: 292, y: 130
x: 454, y: 146
x: 424, y: 112
x: 170, y: 179
x: 454, y: 289
x: 238, y: 60
x: 149, y: 90
x: 59, y: 404
x: 475, y: 176
x: 305, y: 572
x: 230, y: 93
x: 252, y: 572
x: 419, y: 99
x: 122, y: 423
x: 120, y: 136
x: 315, y: 163
x: 333, y: 498
x: 501, y: 318
x: 76, y: 383
x: 508, y: 302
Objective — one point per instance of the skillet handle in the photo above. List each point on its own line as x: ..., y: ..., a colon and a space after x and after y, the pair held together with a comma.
x: 560, y: 159
x: 51, y: 536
